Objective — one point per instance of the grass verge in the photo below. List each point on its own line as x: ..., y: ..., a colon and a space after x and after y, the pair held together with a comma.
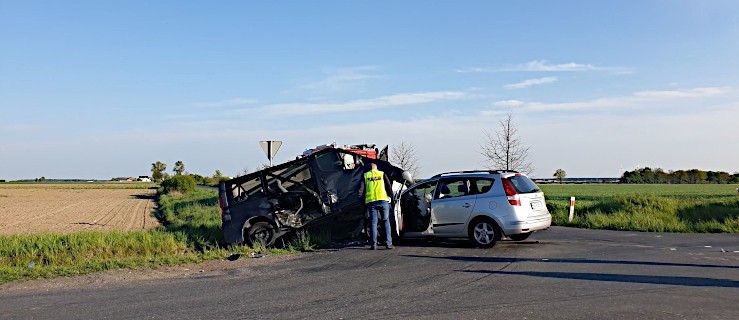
x: 191, y: 233
x: 662, y: 208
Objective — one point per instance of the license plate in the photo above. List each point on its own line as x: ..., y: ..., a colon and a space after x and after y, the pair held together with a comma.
x: 536, y: 205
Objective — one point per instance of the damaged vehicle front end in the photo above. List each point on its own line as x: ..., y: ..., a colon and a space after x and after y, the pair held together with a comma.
x: 318, y: 189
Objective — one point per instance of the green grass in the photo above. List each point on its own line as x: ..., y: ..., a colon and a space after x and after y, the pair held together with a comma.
x: 664, y: 208
x: 49, y: 255
x: 191, y: 234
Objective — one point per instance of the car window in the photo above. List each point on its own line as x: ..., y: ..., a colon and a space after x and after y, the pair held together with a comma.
x: 453, y: 187
x: 481, y: 185
x: 416, y: 206
x: 329, y: 162
x: 244, y: 190
x: 332, y: 162
x: 425, y: 190
x: 523, y: 184
x: 287, y: 179
x: 350, y: 161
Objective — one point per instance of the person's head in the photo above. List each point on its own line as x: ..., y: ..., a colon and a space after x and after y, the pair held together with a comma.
x: 373, y: 166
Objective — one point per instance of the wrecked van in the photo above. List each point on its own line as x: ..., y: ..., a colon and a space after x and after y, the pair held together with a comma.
x: 321, y: 188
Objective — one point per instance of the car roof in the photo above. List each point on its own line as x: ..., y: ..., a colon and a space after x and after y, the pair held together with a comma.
x: 470, y: 174
x: 473, y: 173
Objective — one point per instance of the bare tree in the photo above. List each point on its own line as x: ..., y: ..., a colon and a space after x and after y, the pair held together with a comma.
x: 243, y: 172
x: 404, y: 156
x: 504, y: 149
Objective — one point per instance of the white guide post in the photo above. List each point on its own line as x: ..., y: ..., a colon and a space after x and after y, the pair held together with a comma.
x: 572, y: 208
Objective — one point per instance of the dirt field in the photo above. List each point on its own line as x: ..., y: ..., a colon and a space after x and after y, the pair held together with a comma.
x: 64, y: 208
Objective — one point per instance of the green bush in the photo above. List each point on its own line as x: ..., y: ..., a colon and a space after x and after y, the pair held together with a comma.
x: 179, y: 183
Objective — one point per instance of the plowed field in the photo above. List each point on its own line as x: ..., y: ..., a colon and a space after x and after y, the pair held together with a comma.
x: 65, y: 208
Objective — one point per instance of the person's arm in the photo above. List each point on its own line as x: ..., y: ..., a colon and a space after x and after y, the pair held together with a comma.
x: 360, y: 195
x: 388, y: 187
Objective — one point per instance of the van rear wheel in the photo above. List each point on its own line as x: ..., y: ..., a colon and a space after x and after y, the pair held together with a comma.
x: 261, y: 232
x: 484, y: 233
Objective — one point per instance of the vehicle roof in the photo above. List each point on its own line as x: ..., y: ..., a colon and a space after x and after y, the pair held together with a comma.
x: 470, y: 173
x: 473, y: 173
x: 393, y: 175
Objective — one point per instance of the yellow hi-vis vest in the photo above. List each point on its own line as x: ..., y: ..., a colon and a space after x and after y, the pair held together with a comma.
x: 374, y: 186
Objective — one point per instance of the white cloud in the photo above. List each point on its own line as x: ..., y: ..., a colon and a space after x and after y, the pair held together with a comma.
x: 226, y: 103
x: 474, y: 70
x: 509, y: 103
x: 646, y: 99
x: 544, y: 66
x: 401, y: 99
x: 338, y: 79
x: 690, y: 93
x: 530, y: 82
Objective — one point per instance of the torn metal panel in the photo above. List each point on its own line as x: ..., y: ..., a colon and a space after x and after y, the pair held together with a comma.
x: 319, y: 188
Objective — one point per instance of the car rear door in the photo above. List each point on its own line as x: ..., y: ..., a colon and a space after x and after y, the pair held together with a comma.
x: 531, y: 197
x: 452, y: 206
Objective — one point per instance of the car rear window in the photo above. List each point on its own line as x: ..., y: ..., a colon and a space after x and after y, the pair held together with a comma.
x: 481, y: 185
x: 523, y: 184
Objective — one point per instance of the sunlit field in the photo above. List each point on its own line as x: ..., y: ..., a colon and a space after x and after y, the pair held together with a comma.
x: 662, y: 207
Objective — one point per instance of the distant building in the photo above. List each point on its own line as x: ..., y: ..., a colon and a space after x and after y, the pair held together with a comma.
x: 144, y: 179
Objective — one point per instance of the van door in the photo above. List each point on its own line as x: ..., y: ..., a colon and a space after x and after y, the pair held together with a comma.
x: 452, y: 206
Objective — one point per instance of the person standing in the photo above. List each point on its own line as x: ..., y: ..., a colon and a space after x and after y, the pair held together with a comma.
x: 376, y: 189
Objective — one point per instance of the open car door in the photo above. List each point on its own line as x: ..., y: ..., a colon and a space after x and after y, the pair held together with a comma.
x: 415, y: 209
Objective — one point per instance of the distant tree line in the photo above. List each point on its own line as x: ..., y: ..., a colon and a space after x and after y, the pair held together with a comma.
x: 649, y: 175
x: 182, y: 181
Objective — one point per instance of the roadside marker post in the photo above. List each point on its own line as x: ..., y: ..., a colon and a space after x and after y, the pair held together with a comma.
x: 572, y: 208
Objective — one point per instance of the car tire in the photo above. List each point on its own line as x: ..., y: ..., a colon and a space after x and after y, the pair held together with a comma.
x: 259, y: 232
x: 484, y: 233
x: 520, y: 236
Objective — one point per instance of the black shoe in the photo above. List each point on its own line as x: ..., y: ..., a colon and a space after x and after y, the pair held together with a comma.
x: 390, y: 247
x: 373, y: 247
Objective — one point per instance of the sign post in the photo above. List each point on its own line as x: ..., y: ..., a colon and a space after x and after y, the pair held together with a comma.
x: 270, y: 148
x: 572, y: 208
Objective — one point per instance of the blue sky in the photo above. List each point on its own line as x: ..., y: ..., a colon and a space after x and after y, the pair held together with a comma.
x: 97, y: 89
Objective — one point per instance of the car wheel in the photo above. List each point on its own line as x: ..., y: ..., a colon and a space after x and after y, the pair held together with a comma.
x: 484, y: 233
x: 260, y: 232
x: 520, y: 236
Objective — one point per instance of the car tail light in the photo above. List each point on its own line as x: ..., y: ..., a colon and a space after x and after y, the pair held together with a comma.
x: 511, y: 193
x: 220, y: 204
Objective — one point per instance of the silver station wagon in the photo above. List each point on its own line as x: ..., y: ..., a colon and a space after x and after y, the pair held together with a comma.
x: 483, y: 206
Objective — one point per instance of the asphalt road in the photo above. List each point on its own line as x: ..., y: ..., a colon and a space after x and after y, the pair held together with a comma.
x: 560, y: 273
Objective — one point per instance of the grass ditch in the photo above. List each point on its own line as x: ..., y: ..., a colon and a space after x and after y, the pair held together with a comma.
x: 659, y: 208
x: 190, y: 233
